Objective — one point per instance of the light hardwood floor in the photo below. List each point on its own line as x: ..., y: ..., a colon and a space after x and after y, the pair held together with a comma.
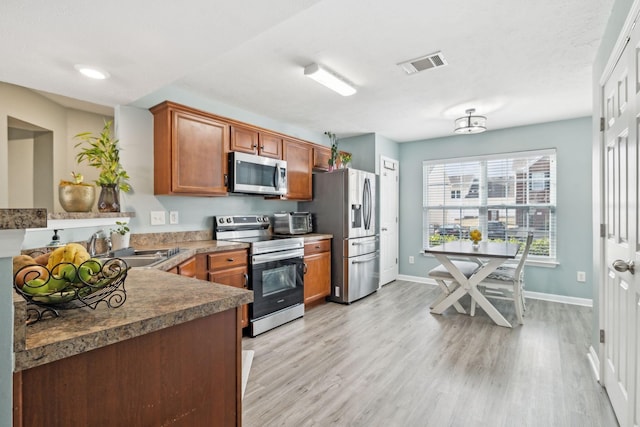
x: 387, y: 361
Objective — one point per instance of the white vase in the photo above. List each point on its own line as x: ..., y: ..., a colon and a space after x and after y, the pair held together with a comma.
x: 119, y: 241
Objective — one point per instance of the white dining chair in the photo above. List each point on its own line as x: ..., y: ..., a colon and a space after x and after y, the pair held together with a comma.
x: 507, y: 283
x: 448, y: 283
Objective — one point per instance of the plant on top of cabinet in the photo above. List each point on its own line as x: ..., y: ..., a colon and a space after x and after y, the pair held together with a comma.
x: 102, y: 152
x: 334, y: 150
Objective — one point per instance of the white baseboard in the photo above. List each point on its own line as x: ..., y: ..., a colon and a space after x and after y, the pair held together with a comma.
x: 586, y: 302
x: 594, y: 361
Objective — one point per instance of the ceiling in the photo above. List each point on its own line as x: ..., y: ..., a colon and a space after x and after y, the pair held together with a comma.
x: 517, y: 62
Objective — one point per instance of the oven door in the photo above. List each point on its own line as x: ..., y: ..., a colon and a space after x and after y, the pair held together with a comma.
x: 277, y: 281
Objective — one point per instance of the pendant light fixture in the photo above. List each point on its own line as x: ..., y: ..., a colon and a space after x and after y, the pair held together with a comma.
x: 471, y: 123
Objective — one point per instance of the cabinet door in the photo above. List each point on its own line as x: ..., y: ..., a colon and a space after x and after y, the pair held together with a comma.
x: 317, y: 277
x: 198, y: 152
x: 321, y: 156
x: 299, y: 157
x: 237, y: 277
x: 270, y: 145
x: 244, y: 139
x: 187, y: 268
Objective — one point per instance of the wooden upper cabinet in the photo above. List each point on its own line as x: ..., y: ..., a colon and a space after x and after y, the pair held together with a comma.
x: 252, y: 141
x: 321, y: 156
x: 190, y: 151
x: 299, y: 157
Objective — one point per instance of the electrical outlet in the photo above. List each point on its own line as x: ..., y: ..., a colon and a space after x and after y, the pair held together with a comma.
x: 157, y: 218
x: 173, y: 217
x: 412, y: 260
x: 581, y: 276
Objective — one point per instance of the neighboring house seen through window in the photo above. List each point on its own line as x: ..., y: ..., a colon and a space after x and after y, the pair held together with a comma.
x: 504, y: 195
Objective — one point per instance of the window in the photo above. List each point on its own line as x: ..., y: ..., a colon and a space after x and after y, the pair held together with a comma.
x: 505, y: 196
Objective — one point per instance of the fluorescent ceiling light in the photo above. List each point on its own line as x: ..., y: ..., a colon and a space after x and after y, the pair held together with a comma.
x: 91, y: 71
x: 329, y: 79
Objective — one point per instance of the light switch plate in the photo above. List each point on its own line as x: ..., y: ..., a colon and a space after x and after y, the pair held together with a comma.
x: 158, y: 218
x: 173, y: 217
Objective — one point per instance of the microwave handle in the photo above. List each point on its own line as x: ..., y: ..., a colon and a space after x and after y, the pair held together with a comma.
x: 277, y: 177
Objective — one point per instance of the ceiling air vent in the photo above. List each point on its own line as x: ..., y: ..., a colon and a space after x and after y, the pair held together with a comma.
x: 433, y: 60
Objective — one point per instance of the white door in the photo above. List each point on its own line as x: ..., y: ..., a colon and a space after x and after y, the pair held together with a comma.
x: 389, y: 190
x: 620, y: 294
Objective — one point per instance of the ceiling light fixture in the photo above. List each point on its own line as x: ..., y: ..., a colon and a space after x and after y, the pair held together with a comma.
x: 91, y: 71
x: 329, y: 79
x: 471, y: 123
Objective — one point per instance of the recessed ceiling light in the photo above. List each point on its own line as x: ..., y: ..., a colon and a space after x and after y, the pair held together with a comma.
x: 91, y: 71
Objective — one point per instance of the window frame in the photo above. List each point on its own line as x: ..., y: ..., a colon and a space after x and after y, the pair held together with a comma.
x: 541, y: 184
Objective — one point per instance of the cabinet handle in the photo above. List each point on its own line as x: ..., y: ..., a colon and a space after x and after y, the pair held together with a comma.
x: 305, y: 268
x: 262, y: 147
x: 318, y: 247
x: 226, y: 180
x: 230, y: 259
x: 246, y: 281
x: 255, y: 146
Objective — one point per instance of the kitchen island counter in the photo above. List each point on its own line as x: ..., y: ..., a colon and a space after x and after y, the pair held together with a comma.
x: 154, y: 300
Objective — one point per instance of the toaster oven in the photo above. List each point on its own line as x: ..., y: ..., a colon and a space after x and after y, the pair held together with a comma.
x: 292, y: 223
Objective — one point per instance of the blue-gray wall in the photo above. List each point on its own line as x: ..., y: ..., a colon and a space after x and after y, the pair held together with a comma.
x: 6, y: 342
x: 571, y: 139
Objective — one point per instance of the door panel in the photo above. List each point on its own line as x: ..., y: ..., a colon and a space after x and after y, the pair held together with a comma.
x: 389, y: 193
x: 621, y: 286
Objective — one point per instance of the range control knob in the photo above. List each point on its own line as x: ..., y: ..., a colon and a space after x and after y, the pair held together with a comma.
x: 220, y: 220
x: 229, y: 219
x: 265, y: 219
x: 259, y: 219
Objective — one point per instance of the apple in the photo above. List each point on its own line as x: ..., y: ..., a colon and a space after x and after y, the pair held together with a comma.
x: 85, y: 273
x: 68, y: 272
x: 36, y: 287
x: 57, y: 284
x: 94, y: 264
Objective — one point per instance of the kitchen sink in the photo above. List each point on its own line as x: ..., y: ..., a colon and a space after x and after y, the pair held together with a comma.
x: 142, y: 258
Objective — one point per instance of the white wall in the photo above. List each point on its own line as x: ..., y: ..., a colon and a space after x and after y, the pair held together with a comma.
x: 21, y: 171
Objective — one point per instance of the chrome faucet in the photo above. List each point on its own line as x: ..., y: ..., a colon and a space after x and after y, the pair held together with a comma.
x: 94, y: 238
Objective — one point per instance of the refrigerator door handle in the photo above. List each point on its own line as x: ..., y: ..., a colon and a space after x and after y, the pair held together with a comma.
x: 366, y: 201
x: 368, y: 242
x: 362, y: 261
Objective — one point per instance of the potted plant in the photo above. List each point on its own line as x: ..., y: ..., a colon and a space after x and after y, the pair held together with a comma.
x: 334, y: 150
x: 101, y: 151
x: 120, y: 236
x: 345, y: 159
x: 76, y: 196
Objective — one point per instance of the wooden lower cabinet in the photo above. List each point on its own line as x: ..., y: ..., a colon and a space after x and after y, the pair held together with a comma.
x: 227, y: 268
x: 317, y: 277
x: 184, y: 375
x: 186, y: 268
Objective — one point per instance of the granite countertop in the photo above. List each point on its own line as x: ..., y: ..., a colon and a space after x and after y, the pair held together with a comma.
x: 155, y: 300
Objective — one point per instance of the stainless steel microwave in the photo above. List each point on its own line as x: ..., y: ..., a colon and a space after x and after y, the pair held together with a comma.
x: 251, y: 174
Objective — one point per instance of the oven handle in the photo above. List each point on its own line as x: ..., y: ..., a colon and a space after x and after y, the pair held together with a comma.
x: 362, y: 261
x: 277, y: 256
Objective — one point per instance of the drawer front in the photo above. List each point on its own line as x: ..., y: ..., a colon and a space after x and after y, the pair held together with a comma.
x: 317, y: 246
x: 228, y: 259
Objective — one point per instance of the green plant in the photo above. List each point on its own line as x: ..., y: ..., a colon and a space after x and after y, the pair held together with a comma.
x: 102, y: 152
x: 345, y: 158
x: 334, y: 148
x: 121, y: 228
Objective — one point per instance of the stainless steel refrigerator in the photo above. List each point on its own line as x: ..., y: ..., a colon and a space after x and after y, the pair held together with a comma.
x: 344, y: 205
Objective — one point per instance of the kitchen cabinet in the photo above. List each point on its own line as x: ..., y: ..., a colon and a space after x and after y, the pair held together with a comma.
x: 252, y: 141
x: 186, y: 374
x: 321, y: 156
x: 227, y: 268
x: 190, y: 151
x: 317, y: 276
x: 186, y: 268
x: 299, y: 157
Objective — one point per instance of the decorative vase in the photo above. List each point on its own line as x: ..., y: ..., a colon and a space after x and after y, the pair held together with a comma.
x: 108, y: 200
x: 76, y: 197
x: 475, y: 245
x: 120, y: 241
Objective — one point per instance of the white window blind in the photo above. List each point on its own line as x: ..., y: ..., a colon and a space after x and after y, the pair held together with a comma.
x: 505, y: 196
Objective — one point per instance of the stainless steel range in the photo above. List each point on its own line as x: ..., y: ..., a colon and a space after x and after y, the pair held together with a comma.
x: 276, y: 273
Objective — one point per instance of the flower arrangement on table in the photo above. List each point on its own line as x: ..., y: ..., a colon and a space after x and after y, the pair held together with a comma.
x: 475, y: 235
